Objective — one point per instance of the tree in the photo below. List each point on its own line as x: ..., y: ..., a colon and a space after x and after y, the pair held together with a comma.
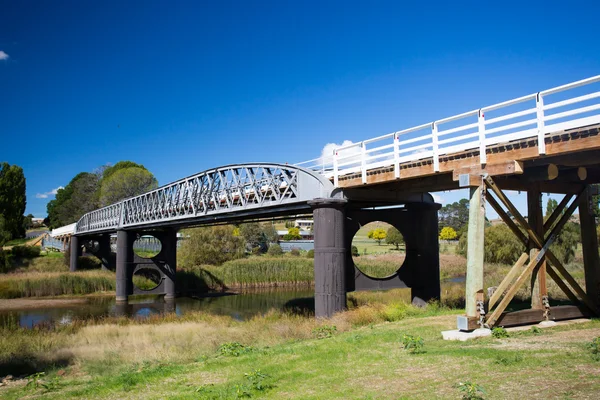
x: 447, y: 233
x: 550, y: 207
x: 124, y: 183
x: 377, y: 234
x: 27, y: 221
x: 210, y: 245
x: 455, y: 215
x: 12, y: 199
x: 293, y: 234
x: 393, y: 236
x: 80, y: 196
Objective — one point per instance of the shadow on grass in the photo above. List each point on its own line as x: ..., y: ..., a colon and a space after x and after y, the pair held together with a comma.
x: 27, y: 364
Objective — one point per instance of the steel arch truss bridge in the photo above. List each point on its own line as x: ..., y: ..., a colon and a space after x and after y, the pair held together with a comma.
x: 226, y: 191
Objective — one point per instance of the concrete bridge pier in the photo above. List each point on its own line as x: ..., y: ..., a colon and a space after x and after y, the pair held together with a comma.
x: 125, y: 241
x: 330, y: 256
x: 164, y: 263
x: 75, y: 253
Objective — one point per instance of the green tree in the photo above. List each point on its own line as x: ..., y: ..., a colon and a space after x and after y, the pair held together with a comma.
x: 124, y: 183
x: 12, y: 199
x: 455, y: 215
x: 550, y: 207
x: 566, y: 241
x: 27, y: 221
x: 254, y: 236
x: 393, y: 236
x: 447, y: 233
x: 500, y: 246
x: 377, y: 234
x: 275, y: 250
x: 77, y: 198
x: 293, y: 234
x: 5, y: 235
x: 210, y: 245
x: 106, y: 171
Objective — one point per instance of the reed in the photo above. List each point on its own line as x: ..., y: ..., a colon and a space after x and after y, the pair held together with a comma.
x: 40, y: 284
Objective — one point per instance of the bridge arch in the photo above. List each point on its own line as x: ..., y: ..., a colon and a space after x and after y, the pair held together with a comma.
x: 220, y: 194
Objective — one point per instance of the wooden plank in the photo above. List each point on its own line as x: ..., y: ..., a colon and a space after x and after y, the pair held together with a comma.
x: 522, y: 317
x: 559, y: 313
x: 559, y: 282
x: 536, y: 220
x: 508, y: 167
x: 557, y: 212
x: 589, y: 242
x: 534, y: 316
x: 512, y: 274
x: 512, y: 291
x: 507, y: 220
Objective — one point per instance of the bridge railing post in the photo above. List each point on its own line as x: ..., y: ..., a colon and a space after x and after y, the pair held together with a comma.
x: 539, y: 104
x: 363, y: 162
x: 481, y: 129
x: 335, y: 168
x: 396, y: 156
x: 435, y: 147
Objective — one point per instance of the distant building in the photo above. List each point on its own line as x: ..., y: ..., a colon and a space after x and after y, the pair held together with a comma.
x: 305, y: 235
x: 304, y: 224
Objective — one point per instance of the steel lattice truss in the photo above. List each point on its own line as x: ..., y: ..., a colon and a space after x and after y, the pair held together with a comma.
x: 231, y: 189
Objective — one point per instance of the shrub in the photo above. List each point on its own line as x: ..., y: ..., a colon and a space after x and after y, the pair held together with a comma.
x: 210, y: 245
x: 26, y: 251
x: 310, y: 254
x: 275, y: 250
x: 295, y: 252
x: 5, y: 258
x: 355, y: 252
x: 234, y: 349
x: 594, y: 348
x: 471, y: 391
x: 501, y: 245
x: 413, y: 344
x: 499, y: 332
x: 324, y: 332
x: 448, y: 233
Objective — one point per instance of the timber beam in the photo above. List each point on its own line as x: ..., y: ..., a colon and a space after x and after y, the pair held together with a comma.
x: 541, y: 244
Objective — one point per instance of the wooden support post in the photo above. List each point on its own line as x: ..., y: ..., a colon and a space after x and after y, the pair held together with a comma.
x: 589, y: 241
x: 540, y: 241
x: 536, y: 221
x: 475, y: 239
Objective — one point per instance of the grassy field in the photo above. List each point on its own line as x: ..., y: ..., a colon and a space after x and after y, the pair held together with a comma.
x: 358, y: 354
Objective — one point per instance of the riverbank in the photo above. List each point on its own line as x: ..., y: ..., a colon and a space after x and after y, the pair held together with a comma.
x: 356, y: 354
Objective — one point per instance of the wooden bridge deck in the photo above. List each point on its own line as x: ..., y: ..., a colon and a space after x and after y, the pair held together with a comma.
x: 516, y: 164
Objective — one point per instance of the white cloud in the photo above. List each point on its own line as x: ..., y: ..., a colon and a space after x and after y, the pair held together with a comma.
x: 3, y: 55
x: 328, y: 149
x: 45, y: 195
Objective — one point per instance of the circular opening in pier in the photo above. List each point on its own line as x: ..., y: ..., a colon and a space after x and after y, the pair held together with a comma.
x: 147, y: 246
x: 146, y: 278
x: 378, y: 249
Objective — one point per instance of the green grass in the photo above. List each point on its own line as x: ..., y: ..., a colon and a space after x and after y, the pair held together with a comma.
x: 364, y: 362
x: 17, y: 242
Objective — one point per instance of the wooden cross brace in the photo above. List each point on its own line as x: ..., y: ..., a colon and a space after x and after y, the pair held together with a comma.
x: 541, y: 243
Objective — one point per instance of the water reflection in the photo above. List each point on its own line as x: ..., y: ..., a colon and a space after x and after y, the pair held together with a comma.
x: 240, y: 306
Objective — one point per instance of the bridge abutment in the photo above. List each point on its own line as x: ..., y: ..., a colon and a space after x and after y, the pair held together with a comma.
x: 330, y: 256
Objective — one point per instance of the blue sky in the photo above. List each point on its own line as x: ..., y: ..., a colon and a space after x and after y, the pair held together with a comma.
x: 185, y: 86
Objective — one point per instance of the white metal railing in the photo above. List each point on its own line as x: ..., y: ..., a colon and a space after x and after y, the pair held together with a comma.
x: 569, y: 106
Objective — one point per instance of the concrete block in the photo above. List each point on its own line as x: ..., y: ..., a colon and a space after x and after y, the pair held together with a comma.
x: 463, y: 336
